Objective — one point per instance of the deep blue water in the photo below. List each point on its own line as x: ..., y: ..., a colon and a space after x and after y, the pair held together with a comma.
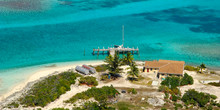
x: 35, y: 32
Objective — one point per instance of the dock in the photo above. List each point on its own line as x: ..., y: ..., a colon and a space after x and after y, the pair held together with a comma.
x: 113, y: 50
x: 117, y: 48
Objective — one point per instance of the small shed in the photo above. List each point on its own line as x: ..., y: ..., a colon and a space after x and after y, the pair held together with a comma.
x: 82, y: 70
x: 91, y: 70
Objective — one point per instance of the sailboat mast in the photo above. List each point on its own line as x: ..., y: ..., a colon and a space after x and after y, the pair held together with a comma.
x: 122, y: 35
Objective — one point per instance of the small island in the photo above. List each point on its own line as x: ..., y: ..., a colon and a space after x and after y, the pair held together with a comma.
x: 120, y: 83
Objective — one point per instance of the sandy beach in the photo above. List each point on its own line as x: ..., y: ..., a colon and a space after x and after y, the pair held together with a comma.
x: 45, y: 71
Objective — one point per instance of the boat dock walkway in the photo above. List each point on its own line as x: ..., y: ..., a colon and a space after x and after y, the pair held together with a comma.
x: 112, y: 51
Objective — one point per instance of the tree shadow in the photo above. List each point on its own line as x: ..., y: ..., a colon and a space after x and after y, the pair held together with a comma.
x: 132, y: 79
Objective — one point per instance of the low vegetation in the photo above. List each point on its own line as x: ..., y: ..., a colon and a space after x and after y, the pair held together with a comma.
x: 13, y: 105
x: 89, y: 80
x: 186, y: 80
x: 173, y: 82
x: 191, y: 68
x: 214, y: 84
x: 133, y: 91
x: 48, y: 89
x: 213, y: 72
x: 93, y: 106
x: 192, y: 97
x: 104, y: 77
x: 99, y: 94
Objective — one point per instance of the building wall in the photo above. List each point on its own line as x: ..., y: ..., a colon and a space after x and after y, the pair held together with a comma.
x: 151, y: 70
x: 164, y: 75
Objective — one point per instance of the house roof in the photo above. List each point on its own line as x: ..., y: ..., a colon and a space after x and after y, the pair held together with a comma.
x: 166, y: 66
x: 154, y: 64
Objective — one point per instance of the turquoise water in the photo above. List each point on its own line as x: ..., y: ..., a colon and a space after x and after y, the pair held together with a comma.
x: 36, y: 32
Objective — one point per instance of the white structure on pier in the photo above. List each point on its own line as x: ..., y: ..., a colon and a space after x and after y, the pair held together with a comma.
x: 117, y: 48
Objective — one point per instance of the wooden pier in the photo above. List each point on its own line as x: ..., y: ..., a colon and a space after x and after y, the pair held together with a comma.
x: 112, y: 51
x: 116, y: 48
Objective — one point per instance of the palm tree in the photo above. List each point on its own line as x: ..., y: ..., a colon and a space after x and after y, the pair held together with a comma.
x: 202, y: 66
x: 113, y: 63
x: 128, y: 59
x: 134, y: 70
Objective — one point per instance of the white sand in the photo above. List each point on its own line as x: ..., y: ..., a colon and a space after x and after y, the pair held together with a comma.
x: 43, y: 72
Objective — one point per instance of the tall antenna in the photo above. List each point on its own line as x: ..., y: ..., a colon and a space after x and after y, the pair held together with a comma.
x: 122, y: 35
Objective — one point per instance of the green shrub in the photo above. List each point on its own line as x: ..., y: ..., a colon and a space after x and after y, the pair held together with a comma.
x: 213, y: 96
x: 93, y: 106
x: 89, y: 80
x: 175, y: 91
x: 191, y: 68
x: 193, y: 97
x: 166, y: 96
x: 49, y: 89
x: 187, y: 79
x: 164, y: 89
x: 100, y: 94
x: 13, y: 105
x: 212, y: 72
x: 174, y: 97
x: 173, y: 82
x: 104, y: 77
x: 133, y: 91
x: 209, y: 107
x: 163, y: 109
x: 178, y: 105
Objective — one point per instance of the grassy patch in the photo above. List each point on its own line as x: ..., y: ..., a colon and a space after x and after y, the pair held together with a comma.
x: 142, y: 81
x: 101, y: 68
x: 89, y: 80
x: 99, y: 94
x: 133, y: 91
x: 191, y: 68
x: 131, y: 106
x: 149, y: 83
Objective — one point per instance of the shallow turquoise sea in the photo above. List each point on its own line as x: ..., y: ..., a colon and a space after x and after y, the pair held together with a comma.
x: 36, y: 32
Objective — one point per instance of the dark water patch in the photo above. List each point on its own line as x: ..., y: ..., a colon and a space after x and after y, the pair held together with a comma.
x: 107, y: 4
x: 113, y: 3
x: 22, y: 4
x: 207, y: 28
x: 151, y: 48
x: 205, y: 20
x: 91, y: 5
